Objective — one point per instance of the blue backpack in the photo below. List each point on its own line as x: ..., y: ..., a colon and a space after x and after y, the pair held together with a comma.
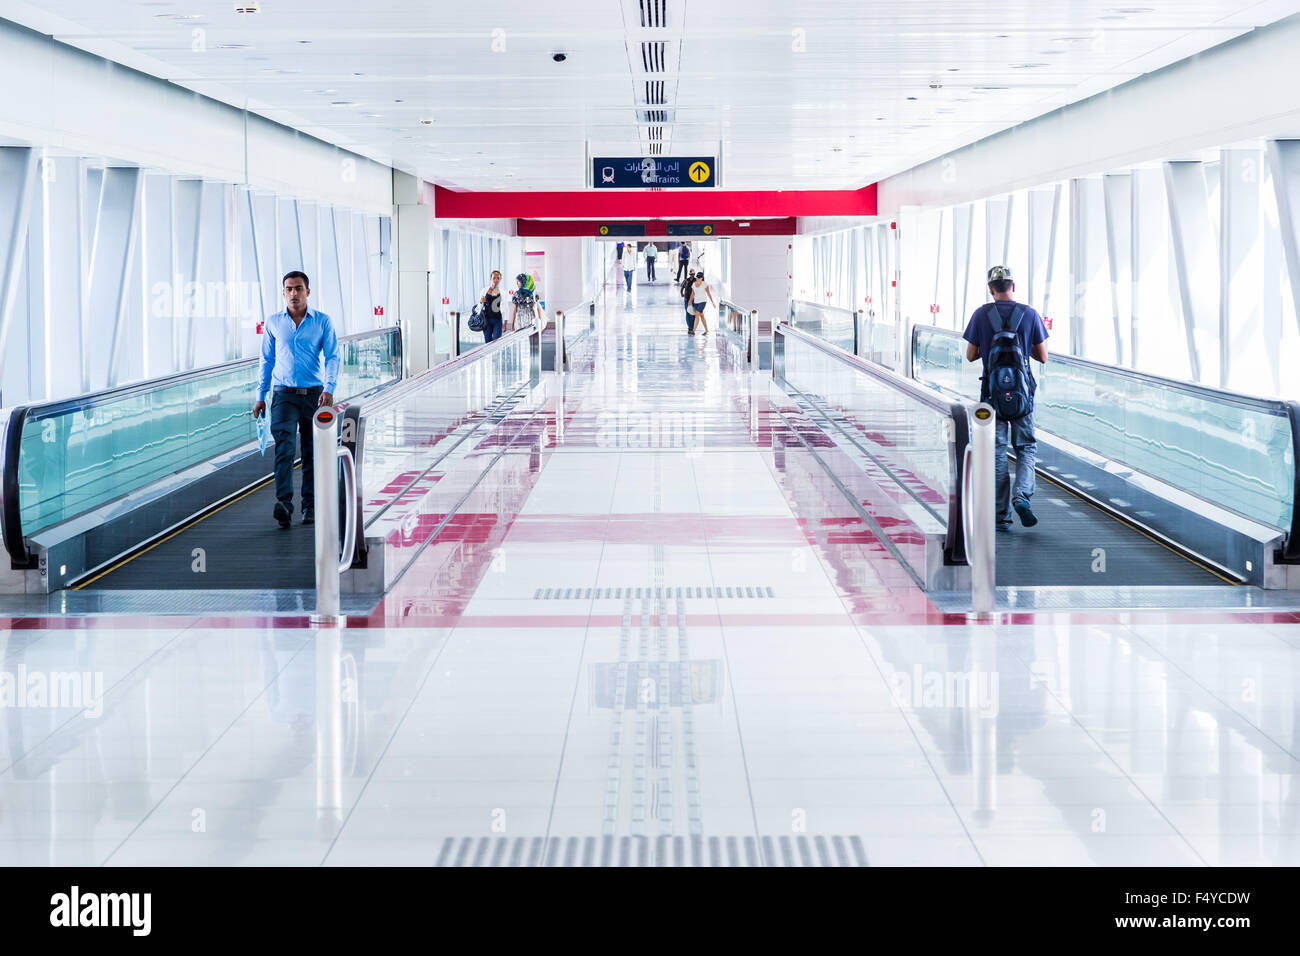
x: 1007, y: 379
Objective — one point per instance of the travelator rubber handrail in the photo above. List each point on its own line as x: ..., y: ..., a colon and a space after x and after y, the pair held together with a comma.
x: 402, y: 390
x: 849, y: 314
x: 954, y: 537
x: 1291, y: 541
x: 11, y: 522
x: 751, y: 330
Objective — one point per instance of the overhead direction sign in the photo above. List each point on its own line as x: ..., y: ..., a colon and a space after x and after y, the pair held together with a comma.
x: 622, y: 229
x: 690, y: 229
x: 653, y: 172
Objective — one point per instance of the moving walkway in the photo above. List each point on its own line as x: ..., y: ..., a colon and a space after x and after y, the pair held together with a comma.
x: 1144, y: 482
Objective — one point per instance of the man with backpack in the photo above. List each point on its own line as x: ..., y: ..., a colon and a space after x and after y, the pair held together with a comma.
x: 1005, y: 334
x: 683, y: 260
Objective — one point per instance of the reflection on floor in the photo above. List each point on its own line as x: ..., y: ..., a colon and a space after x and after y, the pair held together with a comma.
x: 654, y: 635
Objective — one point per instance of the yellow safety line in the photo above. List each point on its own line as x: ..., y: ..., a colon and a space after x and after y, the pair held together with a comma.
x: 182, y: 528
x: 1129, y: 524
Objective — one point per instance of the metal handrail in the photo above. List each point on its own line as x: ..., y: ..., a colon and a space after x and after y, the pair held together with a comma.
x: 1290, y: 552
x: 91, y: 399
x: 1191, y: 388
x: 396, y: 392
x: 954, y: 538
x: 825, y: 308
x: 11, y: 527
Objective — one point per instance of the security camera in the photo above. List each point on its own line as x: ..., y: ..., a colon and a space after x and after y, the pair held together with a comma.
x: 559, y: 57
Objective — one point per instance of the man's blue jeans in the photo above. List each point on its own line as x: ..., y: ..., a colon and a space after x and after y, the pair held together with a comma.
x: 292, y: 413
x: 1019, y: 435
x: 627, y: 277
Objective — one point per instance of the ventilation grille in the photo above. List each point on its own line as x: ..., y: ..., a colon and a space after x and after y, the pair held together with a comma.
x: 654, y: 92
x: 656, y: 116
x: 653, y: 57
x: 654, y: 14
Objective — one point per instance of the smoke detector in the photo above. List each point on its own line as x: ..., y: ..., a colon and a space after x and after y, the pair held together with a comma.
x: 247, y: 6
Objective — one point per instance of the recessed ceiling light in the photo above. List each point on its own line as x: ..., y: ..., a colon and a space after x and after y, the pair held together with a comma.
x: 427, y: 121
x: 246, y: 6
x: 343, y: 103
x: 1027, y: 66
x: 230, y: 46
x: 178, y: 16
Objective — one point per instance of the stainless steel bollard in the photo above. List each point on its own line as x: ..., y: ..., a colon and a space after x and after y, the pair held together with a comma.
x: 752, y: 338
x: 326, y: 453
x: 325, y: 423
x: 559, y: 341
x: 979, y: 507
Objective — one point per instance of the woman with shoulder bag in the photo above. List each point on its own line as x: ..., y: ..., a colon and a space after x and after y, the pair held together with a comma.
x: 490, y: 301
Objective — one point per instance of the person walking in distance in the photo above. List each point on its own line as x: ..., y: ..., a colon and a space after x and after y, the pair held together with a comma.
x: 701, y: 296
x: 293, y: 345
x: 629, y: 268
x: 1005, y: 334
x: 651, y: 254
x: 525, y: 299
x: 490, y: 299
x: 683, y: 260
x: 686, y: 293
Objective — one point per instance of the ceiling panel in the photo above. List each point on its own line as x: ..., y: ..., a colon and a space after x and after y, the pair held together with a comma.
x: 819, y: 94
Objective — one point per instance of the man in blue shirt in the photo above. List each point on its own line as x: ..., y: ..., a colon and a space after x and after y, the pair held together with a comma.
x: 987, y: 320
x: 292, y: 346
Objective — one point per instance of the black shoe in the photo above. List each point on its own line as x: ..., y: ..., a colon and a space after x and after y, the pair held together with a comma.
x: 281, y: 514
x: 308, y: 517
x: 1003, y: 527
x: 1027, y: 517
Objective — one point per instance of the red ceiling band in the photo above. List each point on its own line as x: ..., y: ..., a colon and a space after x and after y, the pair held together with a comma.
x: 784, y: 226
x: 695, y: 204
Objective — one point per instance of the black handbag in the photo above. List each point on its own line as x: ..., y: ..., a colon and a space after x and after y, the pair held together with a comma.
x: 477, y: 320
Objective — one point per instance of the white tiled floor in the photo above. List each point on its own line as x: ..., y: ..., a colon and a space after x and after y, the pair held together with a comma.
x: 551, y: 708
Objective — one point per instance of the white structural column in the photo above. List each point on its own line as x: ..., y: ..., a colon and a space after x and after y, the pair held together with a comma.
x: 1154, y: 319
x: 411, y: 220
x: 17, y: 165
x: 61, y: 195
x: 1242, y: 350
x: 157, y: 302
x: 1044, y: 217
x: 1088, y: 276
x: 187, y: 203
x: 997, y: 230
x: 1192, y: 235
x: 961, y: 243
x: 1284, y: 164
x: 110, y: 265
x: 1118, y: 200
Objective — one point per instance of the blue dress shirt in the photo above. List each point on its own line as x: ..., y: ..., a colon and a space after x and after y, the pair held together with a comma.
x: 292, y: 356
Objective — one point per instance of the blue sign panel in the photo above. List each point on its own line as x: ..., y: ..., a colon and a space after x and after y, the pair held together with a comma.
x: 653, y: 172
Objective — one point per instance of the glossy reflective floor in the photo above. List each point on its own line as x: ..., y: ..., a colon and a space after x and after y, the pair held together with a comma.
x: 654, y: 635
